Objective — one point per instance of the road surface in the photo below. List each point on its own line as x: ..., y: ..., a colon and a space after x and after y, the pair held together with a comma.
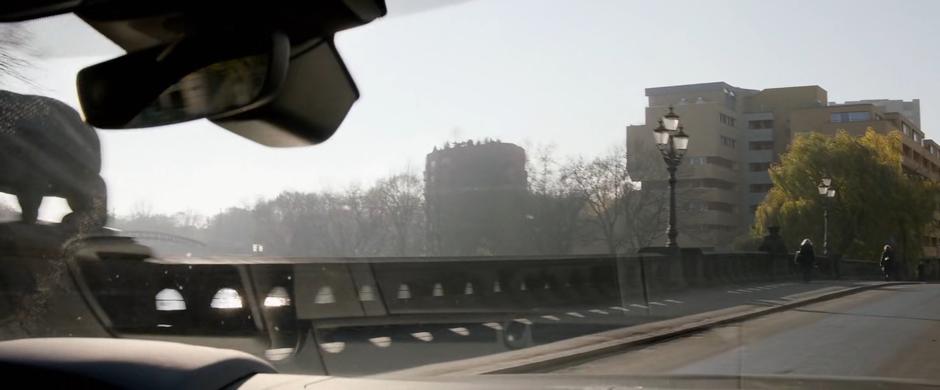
x: 889, y: 332
x: 411, y: 341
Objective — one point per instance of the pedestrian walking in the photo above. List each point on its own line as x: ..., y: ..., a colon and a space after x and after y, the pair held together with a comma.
x: 889, y: 263
x: 806, y: 259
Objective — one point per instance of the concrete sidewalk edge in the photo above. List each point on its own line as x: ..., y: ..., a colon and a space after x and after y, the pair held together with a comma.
x: 566, y: 352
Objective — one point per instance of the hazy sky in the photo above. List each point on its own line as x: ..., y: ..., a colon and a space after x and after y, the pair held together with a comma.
x: 571, y: 73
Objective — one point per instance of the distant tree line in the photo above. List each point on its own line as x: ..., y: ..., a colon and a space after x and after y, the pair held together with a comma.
x: 577, y: 205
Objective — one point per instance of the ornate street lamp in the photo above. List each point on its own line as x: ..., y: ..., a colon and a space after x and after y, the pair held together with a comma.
x: 827, y: 193
x: 672, y: 142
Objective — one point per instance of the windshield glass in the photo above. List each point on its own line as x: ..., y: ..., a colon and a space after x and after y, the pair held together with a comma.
x: 513, y: 175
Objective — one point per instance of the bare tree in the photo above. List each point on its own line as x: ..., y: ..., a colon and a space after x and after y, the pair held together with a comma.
x: 645, y: 206
x: 401, y: 198
x: 602, y: 183
x: 365, y: 211
x: 645, y: 211
x: 232, y: 230
x: 283, y: 225
x: 553, y: 209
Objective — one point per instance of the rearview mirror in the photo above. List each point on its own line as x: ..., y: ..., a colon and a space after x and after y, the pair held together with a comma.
x: 201, y: 77
x: 265, y: 90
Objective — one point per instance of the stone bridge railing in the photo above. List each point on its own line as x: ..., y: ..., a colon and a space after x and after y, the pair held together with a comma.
x: 184, y: 292
x: 115, y: 287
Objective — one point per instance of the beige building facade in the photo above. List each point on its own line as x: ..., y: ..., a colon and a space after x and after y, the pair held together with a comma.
x: 737, y: 133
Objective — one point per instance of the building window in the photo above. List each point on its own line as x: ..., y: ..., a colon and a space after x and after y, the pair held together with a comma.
x: 693, y: 205
x: 761, y: 145
x: 720, y: 161
x: 854, y: 116
x: 859, y: 116
x: 905, y: 129
x: 709, y: 228
x: 719, y: 206
x: 761, y: 124
x: 728, y: 141
x: 726, y: 119
x: 696, y: 205
x: 711, y: 160
x: 704, y: 183
x: 759, y: 166
x: 760, y: 188
x: 916, y: 137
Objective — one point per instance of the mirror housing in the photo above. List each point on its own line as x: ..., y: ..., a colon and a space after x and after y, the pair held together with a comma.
x: 316, y: 96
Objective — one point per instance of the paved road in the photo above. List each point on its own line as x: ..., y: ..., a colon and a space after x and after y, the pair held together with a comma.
x: 414, y: 341
x: 890, y: 332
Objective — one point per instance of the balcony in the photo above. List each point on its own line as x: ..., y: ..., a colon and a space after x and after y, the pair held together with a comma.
x: 766, y: 155
x: 758, y: 177
x: 759, y: 134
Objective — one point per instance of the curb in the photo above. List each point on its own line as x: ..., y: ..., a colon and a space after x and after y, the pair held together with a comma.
x: 577, y: 349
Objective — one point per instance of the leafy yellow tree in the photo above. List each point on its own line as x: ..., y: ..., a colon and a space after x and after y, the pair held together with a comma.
x: 875, y: 203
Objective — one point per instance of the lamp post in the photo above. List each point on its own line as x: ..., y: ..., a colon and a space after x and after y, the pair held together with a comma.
x: 672, y: 142
x: 827, y: 192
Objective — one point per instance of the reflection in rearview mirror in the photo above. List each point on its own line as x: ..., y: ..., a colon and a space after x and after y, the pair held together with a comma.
x: 212, y: 90
x: 195, y: 77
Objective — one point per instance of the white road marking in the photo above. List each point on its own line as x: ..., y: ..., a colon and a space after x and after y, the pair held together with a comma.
x: 575, y: 314
x: 598, y: 311
x: 277, y: 354
x: 423, y: 336
x: 552, y: 318
x: 334, y: 347
x: 461, y: 331
x: 639, y: 306
x: 525, y: 321
x: 672, y: 301
x: 623, y: 309
x: 493, y: 325
x: 381, y: 342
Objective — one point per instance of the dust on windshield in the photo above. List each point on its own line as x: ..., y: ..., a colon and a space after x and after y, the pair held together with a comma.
x: 512, y: 176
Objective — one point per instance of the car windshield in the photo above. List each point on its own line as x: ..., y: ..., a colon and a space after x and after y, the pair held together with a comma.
x: 604, y: 187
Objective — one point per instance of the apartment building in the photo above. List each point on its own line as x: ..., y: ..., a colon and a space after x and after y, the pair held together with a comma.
x: 910, y: 109
x: 737, y: 133
x: 920, y: 156
x: 711, y: 180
